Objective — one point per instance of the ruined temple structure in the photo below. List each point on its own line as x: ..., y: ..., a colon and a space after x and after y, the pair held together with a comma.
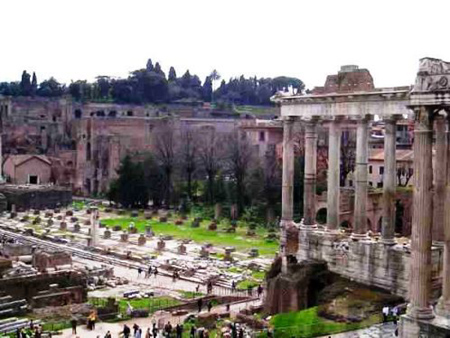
x: 417, y: 269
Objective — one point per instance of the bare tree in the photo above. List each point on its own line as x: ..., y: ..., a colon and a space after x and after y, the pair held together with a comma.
x: 165, y: 151
x: 210, y: 158
x: 404, y: 173
x: 239, y: 159
x: 348, y: 154
x: 188, y: 156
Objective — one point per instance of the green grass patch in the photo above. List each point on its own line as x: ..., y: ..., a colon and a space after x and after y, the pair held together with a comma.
x: 201, y: 234
x: 246, y: 283
x: 78, y: 205
x: 190, y: 294
x: 307, y: 323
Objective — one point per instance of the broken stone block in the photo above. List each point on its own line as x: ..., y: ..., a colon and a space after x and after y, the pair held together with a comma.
x: 231, y: 230
x: 76, y: 227
x: 63, y: 226
x: 59, y: 217
x: 161, y: 245
x: 134, y: 213
x: 204, y: 252
x: 124, y: 237
x: 228, y: 251
x: 254, y: 253
x: 133, y: 230
x: 89, y: 211
x: 120, y: 212
x: 163, y: 219
x: 117, y: 228
x: 56, y: 210
x: 73, y: 219
x: 179, y: 222
x: 48, y: 214
x: 25, y: 218
x: 212, y: 226
x: 36, y: 212
x: 148, y: 231
x: 29, y: 232
x: 69, y: 213
x: 87, y: 222
x: 37, y: 220
x: 142, y: 240
x: 13, y: 214
x: 49, y: 222
x: 195, y: 223
x: 107, y: 234
x: 182, y: 249
x: 108, y: 210
x: 147, y: 215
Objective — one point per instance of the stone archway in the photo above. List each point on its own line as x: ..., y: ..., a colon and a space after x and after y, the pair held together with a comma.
x: 321, y: 216
x: 346, y: 224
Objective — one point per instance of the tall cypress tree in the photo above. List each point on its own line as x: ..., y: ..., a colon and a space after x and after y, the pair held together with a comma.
x: 34, y: 84
x: 172, y: 74
x: 25, y: 84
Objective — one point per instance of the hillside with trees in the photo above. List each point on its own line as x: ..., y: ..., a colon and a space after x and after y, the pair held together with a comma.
x: 152, y: 85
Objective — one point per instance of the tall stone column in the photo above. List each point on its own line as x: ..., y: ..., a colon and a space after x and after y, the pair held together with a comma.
x: 334, y: 164
x: 389, y: 181
x: 287, y: 194
x: 422, y: 219
x: 360, y: 213
x: 309, y: 195
x: 443, y: 306
x: 94, y: 226
x: 440, y: 165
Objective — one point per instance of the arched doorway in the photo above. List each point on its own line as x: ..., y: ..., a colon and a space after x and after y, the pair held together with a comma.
x: 321, y: 216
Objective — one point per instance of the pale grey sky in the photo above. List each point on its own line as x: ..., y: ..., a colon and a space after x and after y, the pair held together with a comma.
x: 308, y: 39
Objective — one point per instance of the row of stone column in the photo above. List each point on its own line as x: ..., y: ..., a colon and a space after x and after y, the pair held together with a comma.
x: 333, y: 186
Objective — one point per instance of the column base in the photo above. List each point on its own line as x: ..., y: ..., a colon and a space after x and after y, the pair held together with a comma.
x: 307, y: 227
x: 388, y: 241
x: 443, y: 308
x: 424, y: 313
x: 359, y: 237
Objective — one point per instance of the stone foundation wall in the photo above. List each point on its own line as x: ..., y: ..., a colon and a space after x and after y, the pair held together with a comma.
x: 411, y: 328
x: 367, y: 262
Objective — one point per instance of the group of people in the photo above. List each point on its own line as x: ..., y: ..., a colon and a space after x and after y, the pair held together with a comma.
x: 168, y: 331
x: 149, y: 272
x: 209, y: 305
x: 34, y: 331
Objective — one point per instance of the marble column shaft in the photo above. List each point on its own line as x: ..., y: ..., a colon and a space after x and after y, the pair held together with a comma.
x: 287, y: 203
x: 389, y: 182
x: 422, y: 219
x: 440, y: 165
x: 443, y: 307
x: 360, y: 217
x: 287, y: 194
x: 333, y: 186
x: 309, y: 195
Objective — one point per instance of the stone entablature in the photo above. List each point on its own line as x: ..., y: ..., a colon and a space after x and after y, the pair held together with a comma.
x: 368, y: 262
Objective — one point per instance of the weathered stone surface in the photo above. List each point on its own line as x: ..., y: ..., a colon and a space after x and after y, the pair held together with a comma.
x: 117, y: 228
x: 298, y: 288
x: 63, y: 226
x: 76, y: 227
x: 254, y: 253
x: 163, y: 219
x: 207, y: 320
x: 181, y: 249
x: 161, y: 245
x: 142, y: 240
x: 133, y: 230
x: 107, y: 234
x: 134, y: 213
x: 124, y: 237
x: 212, y: 226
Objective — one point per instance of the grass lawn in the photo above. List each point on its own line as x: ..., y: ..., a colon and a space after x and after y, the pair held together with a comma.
x: 152, y: 304
x: 201, y: 234
x: 307, y: 323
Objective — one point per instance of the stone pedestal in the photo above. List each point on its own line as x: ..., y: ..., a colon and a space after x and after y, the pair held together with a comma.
x: 107, y: 234
x: 309, y: 196
x: 124, y: 237
x: 389, y: 182
x: 63, y: 226
x: 161, y: 245
x: 227, y: 256
x: 333, y: 186
x: 181, y: 249
x: 76, y: 227
x: 148, y: 231
x: 204, y: 252
x: 422, y: 219
x: 360, y: 218
x: 142, y: 240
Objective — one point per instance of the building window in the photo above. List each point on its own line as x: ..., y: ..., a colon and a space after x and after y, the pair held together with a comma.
x: 370, y: 183
x: 262, y: 136
x: 370, y: 169
x: 380, y: 185
x: 350, y: 183
x: 33, y: 179
x: 381, y: 170
x: 78, y: 114
x: 88, y: 151
x: 130, y: 113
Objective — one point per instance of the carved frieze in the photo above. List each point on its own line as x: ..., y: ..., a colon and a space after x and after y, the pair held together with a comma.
x: 433, y: 75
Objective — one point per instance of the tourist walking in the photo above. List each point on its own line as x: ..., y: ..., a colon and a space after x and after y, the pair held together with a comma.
x: 138, y: 333
x: 200, y: 304
x: 260, y: 290
x: 154, y: 330
x: 126, y: 331
x: 135, y: 329
x: 385, y: 313
x: 108, y: 334
x: 233, y: 286
x: 149, y: 272
x: 179, y: 331
x: 148, y: 334
x: 209, y: 306
x: 73, y: 324
x: 139, y: 271
x: 155, y: 271
x: 193, y: 330
x: 168, y: 329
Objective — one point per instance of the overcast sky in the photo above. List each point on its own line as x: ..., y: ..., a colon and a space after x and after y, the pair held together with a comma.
x: 80, y: 39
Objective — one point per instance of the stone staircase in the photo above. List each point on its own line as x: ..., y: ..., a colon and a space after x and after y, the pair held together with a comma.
x: 12, y: 324
x: 10, y: 307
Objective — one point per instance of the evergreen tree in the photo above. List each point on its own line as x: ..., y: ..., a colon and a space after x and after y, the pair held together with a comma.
x: 158, y: 70
x: 34, y: 85
x: 25, y: 84
x: 172, y: 74
x: 149, y: 66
